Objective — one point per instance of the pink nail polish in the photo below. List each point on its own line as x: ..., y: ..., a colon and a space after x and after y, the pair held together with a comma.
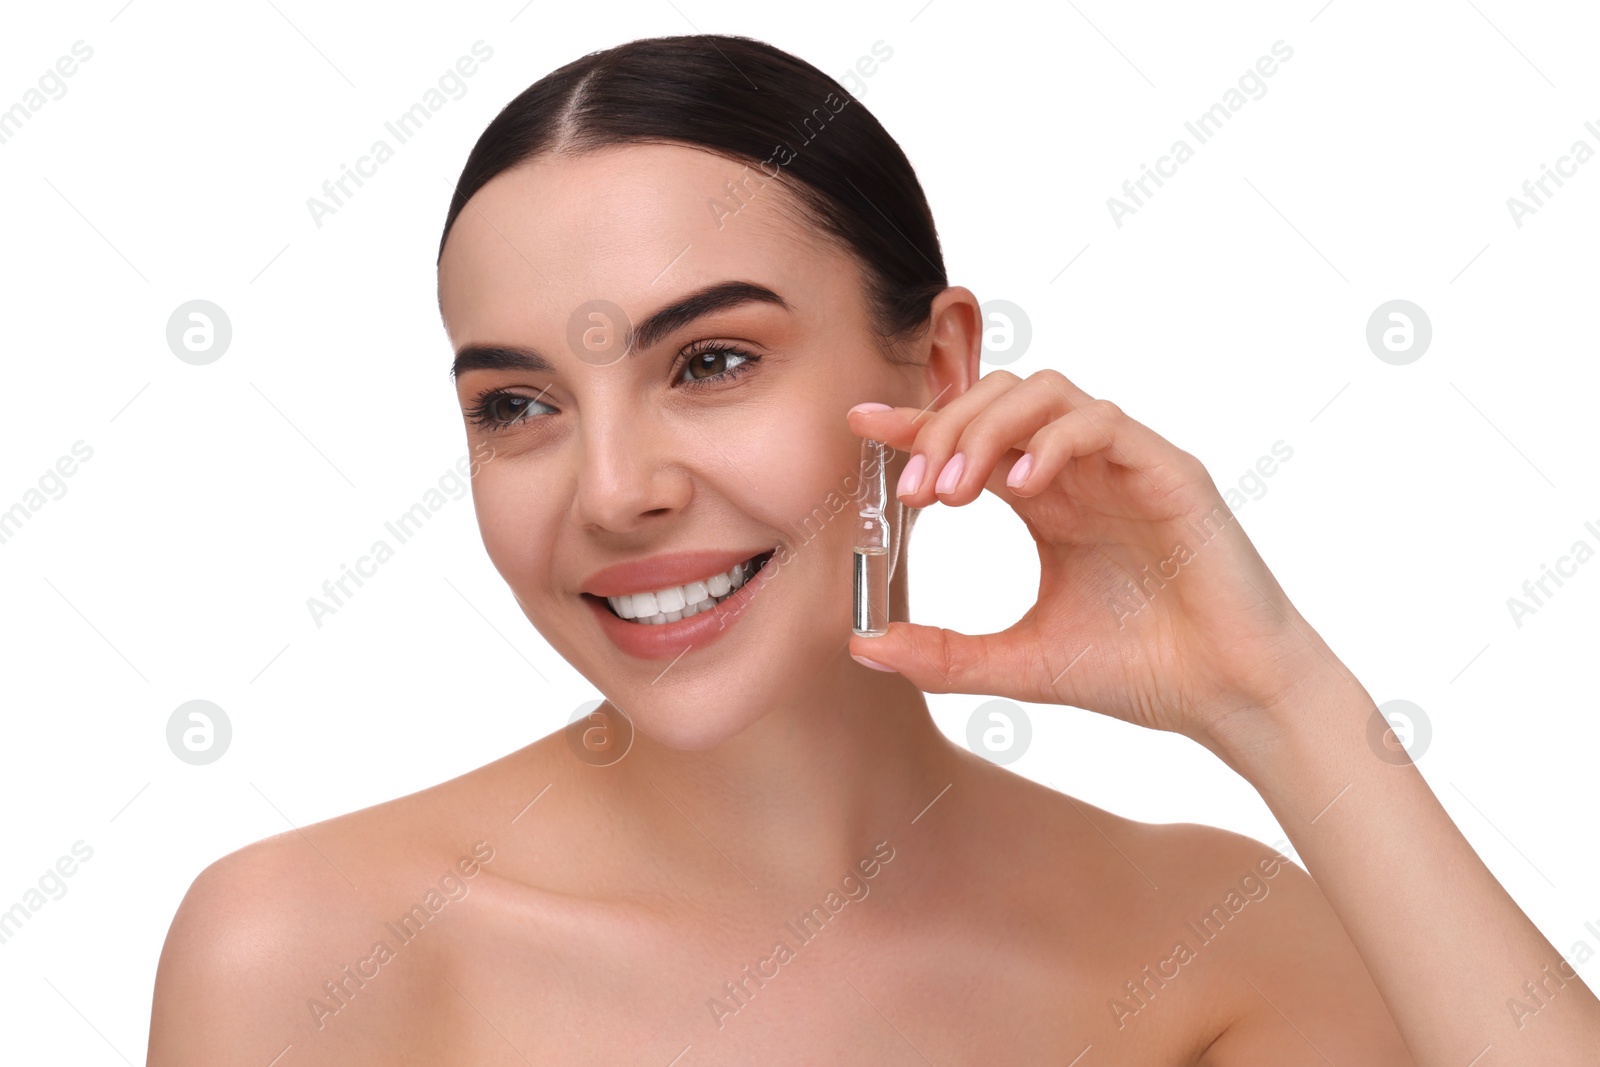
x: 911, y: 477
x: 874, y: 664
x: 872, y: 406
x: 1019, y: 470
x: 951, y: 474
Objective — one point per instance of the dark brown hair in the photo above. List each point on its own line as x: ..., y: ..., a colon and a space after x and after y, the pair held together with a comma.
x: 750, y: 102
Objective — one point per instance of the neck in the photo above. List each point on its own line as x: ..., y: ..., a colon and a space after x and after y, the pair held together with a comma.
x: 806, y: 790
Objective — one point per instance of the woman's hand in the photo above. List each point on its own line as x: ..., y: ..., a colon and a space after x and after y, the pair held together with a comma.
x: 1110, y: 503
x: 1153, y: 607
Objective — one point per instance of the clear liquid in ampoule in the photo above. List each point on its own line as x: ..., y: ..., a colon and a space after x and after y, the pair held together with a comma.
x: 871, y: 581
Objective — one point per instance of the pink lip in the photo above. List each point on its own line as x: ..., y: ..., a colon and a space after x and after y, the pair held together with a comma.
x: 663, y: 572
x: 674, y: 638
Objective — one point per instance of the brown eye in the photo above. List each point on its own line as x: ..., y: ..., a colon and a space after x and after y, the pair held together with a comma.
x: 499, y: 410
x: 506, y: 408
x: 711, y: 362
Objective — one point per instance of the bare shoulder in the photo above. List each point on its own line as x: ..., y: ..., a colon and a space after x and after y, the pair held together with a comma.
x: 1293, y: 984
x: 1288, y: 984
x: 288, y: 942
x: 239, y: 942
x: 1188, y: 943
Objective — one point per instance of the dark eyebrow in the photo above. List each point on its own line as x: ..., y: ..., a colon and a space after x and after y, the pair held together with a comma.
x: 658, y: 324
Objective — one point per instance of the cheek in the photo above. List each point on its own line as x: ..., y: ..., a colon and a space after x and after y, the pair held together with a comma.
x: 513, y: 522
x: 809, y: 473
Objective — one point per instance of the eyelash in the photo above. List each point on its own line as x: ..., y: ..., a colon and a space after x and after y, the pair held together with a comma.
x: 480, y: 412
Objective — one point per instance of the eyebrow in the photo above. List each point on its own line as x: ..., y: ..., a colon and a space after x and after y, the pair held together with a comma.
x: 660, y: 323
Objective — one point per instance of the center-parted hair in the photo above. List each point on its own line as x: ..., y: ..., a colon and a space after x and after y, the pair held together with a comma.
x: 754, y: 104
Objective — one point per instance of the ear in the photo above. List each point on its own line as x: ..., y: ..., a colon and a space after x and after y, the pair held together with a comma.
x: 955, y: 344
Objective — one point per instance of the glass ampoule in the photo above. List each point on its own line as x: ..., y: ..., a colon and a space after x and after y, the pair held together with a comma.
x: 870, y: 579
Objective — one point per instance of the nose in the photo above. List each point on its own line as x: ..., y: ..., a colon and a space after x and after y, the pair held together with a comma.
x: 628, y: 472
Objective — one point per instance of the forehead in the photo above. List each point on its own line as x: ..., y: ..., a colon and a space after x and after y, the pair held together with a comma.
x: 633, y: 225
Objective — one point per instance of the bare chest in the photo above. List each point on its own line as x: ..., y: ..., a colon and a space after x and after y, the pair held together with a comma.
x: 793, y: 995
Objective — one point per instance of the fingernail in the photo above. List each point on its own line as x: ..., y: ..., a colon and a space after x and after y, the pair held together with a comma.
x: 1019, y: 471
x: 911, y: 477
x: 872, y: 406
x: 951, y: 474
x: 874, y: 664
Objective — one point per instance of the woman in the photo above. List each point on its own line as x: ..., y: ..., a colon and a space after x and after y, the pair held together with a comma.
x: 684, y: 279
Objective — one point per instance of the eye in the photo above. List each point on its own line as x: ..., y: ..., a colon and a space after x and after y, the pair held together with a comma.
x: 497, y: 409
x: 702, y: 358
x: 703, y: 364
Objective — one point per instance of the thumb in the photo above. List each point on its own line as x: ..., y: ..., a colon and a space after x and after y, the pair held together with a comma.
x: 932, y: 658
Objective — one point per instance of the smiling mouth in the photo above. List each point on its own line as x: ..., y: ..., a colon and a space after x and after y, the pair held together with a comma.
x: 661, y: 606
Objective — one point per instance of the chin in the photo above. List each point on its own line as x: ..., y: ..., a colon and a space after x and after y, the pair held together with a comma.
x: 693, y: 727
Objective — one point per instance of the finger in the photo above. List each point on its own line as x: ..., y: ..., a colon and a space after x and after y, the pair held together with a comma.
x: 1100, y: 426
x: 896, y: 427
x: 1045, y: 394
x: 929, y: 423
x: 937, y: 439
x: 937, y: 660
x: 929, y: 434
x: 986, y: 441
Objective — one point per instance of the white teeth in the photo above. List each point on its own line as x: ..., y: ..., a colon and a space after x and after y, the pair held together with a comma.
x: 680, y: 602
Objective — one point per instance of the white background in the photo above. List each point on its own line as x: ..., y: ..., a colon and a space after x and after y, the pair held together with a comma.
x: 1228, y: 313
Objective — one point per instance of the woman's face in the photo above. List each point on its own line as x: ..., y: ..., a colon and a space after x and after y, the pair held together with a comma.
x: 721, y: 434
